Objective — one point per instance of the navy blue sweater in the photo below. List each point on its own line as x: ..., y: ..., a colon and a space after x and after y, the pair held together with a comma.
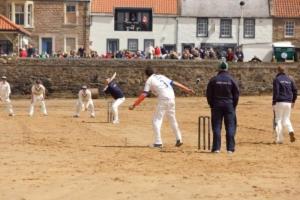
x: 114, y: 90
x: 284, y: 89
x: 222, y: 90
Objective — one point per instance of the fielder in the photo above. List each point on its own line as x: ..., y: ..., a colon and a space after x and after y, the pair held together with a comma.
x: 112, y: 88
x: 5, y: 94
x: 85, y: 102
x: 222, y: 96
x: 284, y: 98
x: 162, y: 87
x: 38, y: 94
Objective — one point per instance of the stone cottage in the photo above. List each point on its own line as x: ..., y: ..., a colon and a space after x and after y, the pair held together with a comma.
x: 55, y: 26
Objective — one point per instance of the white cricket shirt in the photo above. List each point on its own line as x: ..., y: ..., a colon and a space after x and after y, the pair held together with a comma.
x: 160, y: 86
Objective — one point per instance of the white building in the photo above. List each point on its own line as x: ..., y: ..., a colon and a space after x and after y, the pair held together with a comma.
x: 226, y: 24
x: 133, y: 25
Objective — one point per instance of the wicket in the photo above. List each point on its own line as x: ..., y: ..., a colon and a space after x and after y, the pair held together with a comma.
x: 109, y: 112
x: 203, y: 125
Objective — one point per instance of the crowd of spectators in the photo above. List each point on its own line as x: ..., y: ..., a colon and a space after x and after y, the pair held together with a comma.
x: 149, y: 53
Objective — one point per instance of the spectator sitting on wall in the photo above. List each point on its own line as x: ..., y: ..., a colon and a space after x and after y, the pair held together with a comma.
x: 239, y: 55
x: 164, y: 53
x: 23, y: 53
x: 230, y: 55
x: 30, y: 51
x: 195, y: 54
x: 150, y: 51
x: 81, y: 52
x: 173, y: 55
x: 255, y: 59
x: 139, y: 55
x: 212, y: 53
x: 202, y: 53
x: 157, y: 52
x: 119, y: 55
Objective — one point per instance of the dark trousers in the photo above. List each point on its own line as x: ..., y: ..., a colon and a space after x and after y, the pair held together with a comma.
x: 228, y: 113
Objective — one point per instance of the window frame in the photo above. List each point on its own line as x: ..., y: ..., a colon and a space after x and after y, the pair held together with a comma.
x: 65, y: 42
x: 254, y: 32
x: 285, y: 29
x: 137, y: 11
x: 198, y: 32
x: 76, y: 12
x: 224, y: 20
x: 148, y: 40
x: 28, y: 16
x: 133, y: 40
x: 20, y: 13
x: 112, y: 39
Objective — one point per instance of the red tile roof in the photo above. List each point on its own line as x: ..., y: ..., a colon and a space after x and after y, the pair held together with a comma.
x: 163, y: 7
x: 7, y: 25
x: 286, y: 8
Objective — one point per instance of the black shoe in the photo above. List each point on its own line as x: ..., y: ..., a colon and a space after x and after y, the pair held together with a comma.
x: 156, y: 146
x: 178, y: 143
x: 292, y: 137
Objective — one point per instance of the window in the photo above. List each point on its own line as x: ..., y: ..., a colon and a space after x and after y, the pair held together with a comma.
x: 225, y: 28
x: 10, y: 12
x: 133, y: 19
x: 133, y: 45
x: 19, y: 14
x: 71, y: 8
x: 289, y: 29
x: 249, y: 28
x: 170, y: 47
x: 112, y: 45
x: 70, y: 44
x: 147, y: 43
x: 70, y: 13
x: 202, y: 27
x: 29, y: 14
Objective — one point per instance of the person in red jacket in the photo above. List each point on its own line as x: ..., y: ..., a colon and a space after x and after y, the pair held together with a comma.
x: 23, y: 53
x: 230, y: 55
x: 157, y: 52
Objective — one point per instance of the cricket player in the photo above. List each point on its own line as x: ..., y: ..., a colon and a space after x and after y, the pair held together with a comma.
x: 222, y: 96
x: 5, y: 94
x: 284, y: 98
x: 38, y: 94
x: 114, y: 90
x: 162, y: 87
x: 85, y: 102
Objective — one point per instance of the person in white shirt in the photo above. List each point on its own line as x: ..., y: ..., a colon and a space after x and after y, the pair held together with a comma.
x: 38, y: 94
x: 5, y: 94
x: 162, y: 87
x: 85, y: 102
x: 150, y: 52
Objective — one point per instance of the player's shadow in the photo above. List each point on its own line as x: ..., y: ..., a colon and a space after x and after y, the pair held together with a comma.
x: 120, y: 146
x: 95, y: 122
x: 257, y: 143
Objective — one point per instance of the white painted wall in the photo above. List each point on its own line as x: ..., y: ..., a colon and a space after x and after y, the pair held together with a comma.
x: 187, y: 32
x: 163, y: 32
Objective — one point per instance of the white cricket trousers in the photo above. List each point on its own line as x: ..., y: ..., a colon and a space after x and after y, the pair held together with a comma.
x: 38, y: 98
x: 165, y: 106
x: 115, y: 105
x: 282, y: 119
x: 82, y: 105
x: 8, y: 105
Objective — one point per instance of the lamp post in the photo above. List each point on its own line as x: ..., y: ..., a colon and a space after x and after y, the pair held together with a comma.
x: 242, y: 4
